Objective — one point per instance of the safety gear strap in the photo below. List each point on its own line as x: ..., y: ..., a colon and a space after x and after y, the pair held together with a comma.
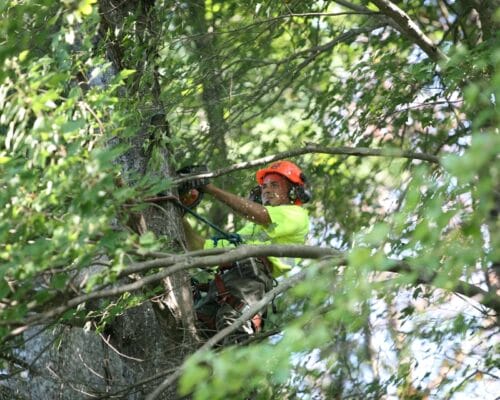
x: 208, y: 320
x: 225, y: 296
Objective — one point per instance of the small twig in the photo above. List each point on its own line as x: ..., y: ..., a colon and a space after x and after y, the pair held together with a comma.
x: 99, y: 122
x: 116, y: 351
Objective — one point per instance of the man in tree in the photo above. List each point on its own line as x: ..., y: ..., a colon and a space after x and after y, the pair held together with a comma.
x: 278, y: 219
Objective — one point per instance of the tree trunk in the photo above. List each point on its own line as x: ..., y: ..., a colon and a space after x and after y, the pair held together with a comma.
x: 145, y: 343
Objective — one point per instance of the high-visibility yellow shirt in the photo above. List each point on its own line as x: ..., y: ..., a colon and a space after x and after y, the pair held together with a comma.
x: 289, y: 225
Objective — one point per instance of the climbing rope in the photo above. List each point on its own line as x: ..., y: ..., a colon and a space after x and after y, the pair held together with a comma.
x: 232, y: 238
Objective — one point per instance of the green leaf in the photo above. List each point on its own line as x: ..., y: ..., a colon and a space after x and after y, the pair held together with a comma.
x: 72, y: 126
x: 125, y: 73
x: 59, y: 281
x: 147, y: 239
x: 194, y: 373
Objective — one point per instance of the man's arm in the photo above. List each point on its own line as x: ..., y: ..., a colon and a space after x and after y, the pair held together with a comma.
x: 248, y: 209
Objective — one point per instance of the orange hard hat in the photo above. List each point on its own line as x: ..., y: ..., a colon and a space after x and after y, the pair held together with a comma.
x: 284, y: 168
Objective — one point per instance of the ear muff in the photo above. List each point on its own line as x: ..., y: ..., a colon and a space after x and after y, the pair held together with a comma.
x: 300, y: 192
x: 255, y: 195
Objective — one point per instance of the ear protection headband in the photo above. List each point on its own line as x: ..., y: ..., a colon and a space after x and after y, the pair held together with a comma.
x: 300, y: 192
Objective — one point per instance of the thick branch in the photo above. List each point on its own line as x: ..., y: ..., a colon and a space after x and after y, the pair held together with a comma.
x: 311, y: 148
x: 410, y: 29
x: 231, y: 256
x: 173, y: 264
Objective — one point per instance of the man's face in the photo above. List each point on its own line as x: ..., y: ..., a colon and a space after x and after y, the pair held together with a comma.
x: 275, y: 188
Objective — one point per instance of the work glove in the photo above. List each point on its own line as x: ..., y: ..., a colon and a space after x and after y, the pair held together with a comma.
x: 196, y: 183
x: 190, y: 192
x: 191, y: 198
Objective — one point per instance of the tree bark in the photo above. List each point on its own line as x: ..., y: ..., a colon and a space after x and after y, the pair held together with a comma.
x: 137, y: 347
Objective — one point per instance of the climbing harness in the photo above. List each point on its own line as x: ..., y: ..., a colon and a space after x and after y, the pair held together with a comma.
x: 224, y: 296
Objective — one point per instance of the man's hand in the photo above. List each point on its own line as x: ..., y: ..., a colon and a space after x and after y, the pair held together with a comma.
x: 190, y: 198
x: 195, y: 183
x: 191, y: 192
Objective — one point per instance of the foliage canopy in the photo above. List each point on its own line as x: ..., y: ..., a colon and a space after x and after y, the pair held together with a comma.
x: 82, y: 87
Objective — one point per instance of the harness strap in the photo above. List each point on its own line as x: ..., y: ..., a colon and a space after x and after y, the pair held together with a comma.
x: 202, y: 286
x: 208, y: 320
x: 267, y: 264
x: 225, y: 296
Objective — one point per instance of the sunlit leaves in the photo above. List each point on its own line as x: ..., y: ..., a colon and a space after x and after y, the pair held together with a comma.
x: 381, y: 90
x: 61, y: 209
x: 60, y: 204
